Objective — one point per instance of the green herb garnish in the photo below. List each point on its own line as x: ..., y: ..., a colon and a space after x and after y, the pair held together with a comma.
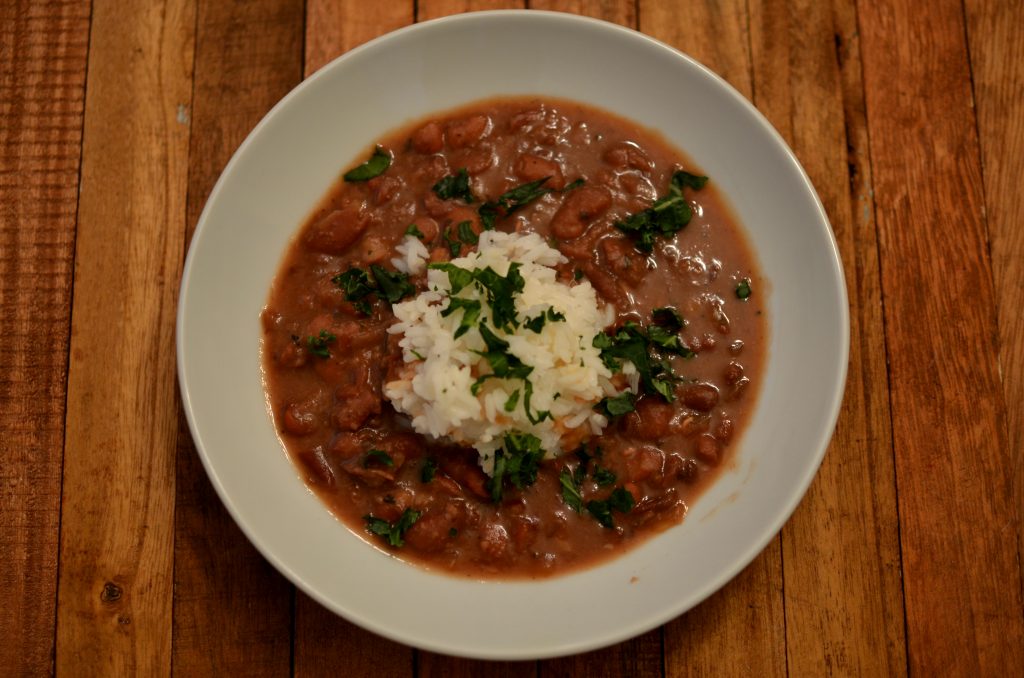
x: 743, y: 289
x: 516, y: 463
x: 501, y: 291
x: 573, y: 185
x: 392, y: 285
x: 541, y: 415
x: 570, y: 490
x: 470, y: 313
x: 667, y: 216
x: 510, y: 201
x: 455, y: 186
x: 537, y: 324
x: 357, y: 287
x: 466, y: 233
x: 379, y: 457
x: 392, y: 533
x: 458, y: 278
x: 504, y: 365
x: 375, y: 166
x: 617, y: 406
x: 428, y: 470
x: 318, y: 345
x: 669, y: 318
x: 414, y: 230
x: 620, y: 500
x: 454, y: 244
x: 603, y: 476
x: 512, y: 401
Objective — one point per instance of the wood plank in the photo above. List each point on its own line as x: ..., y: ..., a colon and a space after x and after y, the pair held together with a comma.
x: 114, y: 596
x: 232, y: 610
x: 435, y: 9
x: 325, y: 642
x: 335, y: 26
x: 748, y: 612
x: 995, y: 32
x: 843, y: 598
x: 962, y: 583
x: 621, y: 12
x: 431, y: 665
x: 43, y: 50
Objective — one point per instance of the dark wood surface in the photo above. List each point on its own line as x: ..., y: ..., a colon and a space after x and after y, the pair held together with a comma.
x: 117, y: 558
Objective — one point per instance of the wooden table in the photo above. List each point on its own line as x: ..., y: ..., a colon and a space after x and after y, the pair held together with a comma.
x: 116, y: 557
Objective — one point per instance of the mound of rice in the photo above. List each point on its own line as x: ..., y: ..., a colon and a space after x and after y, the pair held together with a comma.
x: 568, y: 377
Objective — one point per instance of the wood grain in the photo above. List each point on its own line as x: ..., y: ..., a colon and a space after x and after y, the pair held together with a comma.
x: 843, y: 601
x: 621, y: 12
x: 43, y: 50
x: 114, y: 597
x: 748, y: 612
x: 324, y: 642
x: 995, y: 32
x: 957, y: 517
x: 435, y: 9
x: 232, y: 610
x: 432, y: 665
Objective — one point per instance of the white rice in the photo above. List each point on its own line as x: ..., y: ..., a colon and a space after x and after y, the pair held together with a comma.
x: 412, y: 256
x: 568, y: 376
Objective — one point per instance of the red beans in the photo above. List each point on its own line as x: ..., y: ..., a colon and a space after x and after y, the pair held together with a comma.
x: 466, y: 132
x: 700, y: 397
x: 708, y: 450
x: 428, y: 139
x: 299, y: 419
x: 533, y: 168
x: 579, y: 210
x: 652, y: 419
x: 339, y: 229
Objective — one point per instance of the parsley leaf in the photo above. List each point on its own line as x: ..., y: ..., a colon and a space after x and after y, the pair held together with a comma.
x: 357, y: 286
x: 392, y: 533
x: 379, y: 457
x: 570, y: 490
x: 541, y: 414
x: 620, y: 500
x: 510, y: 201
x: 617, y: 406
x: 500, y: 293
x: 743, y: 289
x: 537, y: 324
x: 470, y: 313
x: 513, y: 400
x: 603, y: 476
x: 669, y: 318
x: 414, y: 230
x: 428, y: 470
x: 668, y: 215
x: 504, y: 365
x: 668, y: 341
x: 454, y: 246
x: 458, y: 278
x: 375, y: 166
x: 573, y: 185
x: 516, y: 462
x: 392, y: 285
x: 318, y: 344
x: 455, y: 186
x: 466, y: 233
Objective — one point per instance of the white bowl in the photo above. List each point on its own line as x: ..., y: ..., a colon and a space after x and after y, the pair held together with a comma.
x: 294, y: 155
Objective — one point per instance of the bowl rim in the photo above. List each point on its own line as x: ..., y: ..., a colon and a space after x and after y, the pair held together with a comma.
x: 682, y: 604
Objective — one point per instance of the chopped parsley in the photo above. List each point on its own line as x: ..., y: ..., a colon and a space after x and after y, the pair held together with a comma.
x: 375, y: 166
x: 318, y: 345
x: 743, y: 289
x: 512, y: 401
x: 510, y: 201
x: 377, y: 457
x: 415, y: 231
x: 537, y: 324
x: 603, y: 476
x: 470, y: 313
x: 392, y: 533
x: 454, y: 244
x: 515, y: 463
x: 358, y: 286
x: 616, y: 406
x: 541, y: 415
x: 577, y: 274
x: 501, y: 291
x: 640, y: 346
x: 620, y: 500
x: 504, y: 365
x: 455, y: 186
x: 428, y: 470
x: 669, y: 318
x: 667, y: 216
x: 573, y: 185
x: 570, y: 490
x: 466, y: 233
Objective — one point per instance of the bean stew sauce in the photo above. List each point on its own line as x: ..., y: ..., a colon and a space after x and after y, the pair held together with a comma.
x: 327, y: 351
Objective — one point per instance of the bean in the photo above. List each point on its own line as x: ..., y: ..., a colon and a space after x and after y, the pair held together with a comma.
x: 531, y: 167
x: 428, y: 139
x: 580, y: 208
x: 701, y: 397
x: 466, y: 132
